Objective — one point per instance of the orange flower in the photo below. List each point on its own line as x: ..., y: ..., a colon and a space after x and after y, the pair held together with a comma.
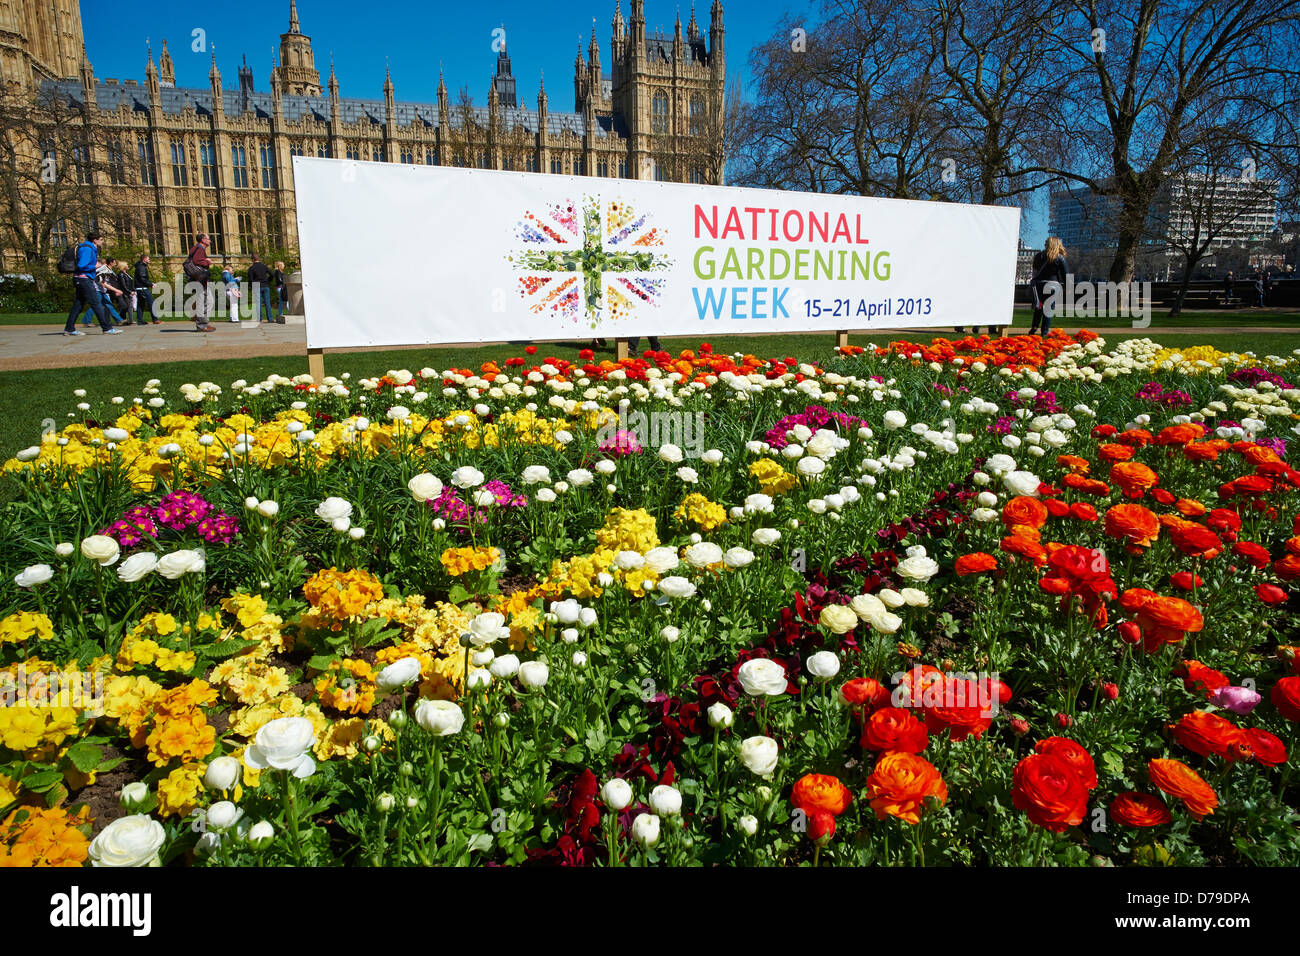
x: 1114, y: 452
x: 1206, y: 734
x: 894, y: 729
x: 1023, y: 510
x: 899, y: 785
x: 1140, y: 810
x: 1074, y: 463
x: 1073, y: 754
x: 975, y: 563
x: 1133, y: 477
x: 1192, y: 539
x: 1135, y: 437
x: 1179, y: 780
x: 1138, y: 525
x: 1189, y: 508
x: 820, y: 793
x: 1179, y: 434
x: 1050, y: 791
x: 1025, y: 547
x: 1200, y: 451
x: 1288, y: 568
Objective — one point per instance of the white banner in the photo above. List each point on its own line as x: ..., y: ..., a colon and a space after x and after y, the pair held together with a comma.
x: 403, y: 255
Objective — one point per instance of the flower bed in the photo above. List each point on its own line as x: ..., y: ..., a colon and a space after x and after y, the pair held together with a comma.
x: 967, y: 602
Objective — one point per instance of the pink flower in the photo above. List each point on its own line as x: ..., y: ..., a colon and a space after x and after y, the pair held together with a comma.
x: 1239, y: 700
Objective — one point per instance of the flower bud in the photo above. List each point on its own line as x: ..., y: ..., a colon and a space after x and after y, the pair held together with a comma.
x: 384, y: 803
x: 134, y: 796
x: 397, y: 719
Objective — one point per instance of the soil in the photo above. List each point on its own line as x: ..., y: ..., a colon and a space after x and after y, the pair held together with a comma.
x: 104, y: 795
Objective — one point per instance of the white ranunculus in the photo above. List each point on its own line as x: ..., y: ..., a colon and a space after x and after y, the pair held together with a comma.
x: 660, y: 560
x: 424, y: 487
x: 283, y: 744
x: 891, y: 598
x: 738, y: 557
x: 566, y: 611
x: 260, y: 835
x: 536, y: 474
x: 712, y: 457
x: 748, y: 824
x: 580, y: 477
x: 467, y: 476
x: 919, y: 568
x: 616, y: 794
x: 223, y: 815
x: 268, y: 509
x: 116, y: 434
x: 569, y: 635
x: 703, y: 554
x: 1022, y: 483
x: 134, y: 795
x: 721, y: 716
x: 545, y: 495
x: 29, y: 454
x: 914, y: 597
x: 885, y: 622
x: 628, y: 560
x: 665, y: 800
x: 331, y: 509
x: 399, y: 413
x: 488, y: 628
x: 670, y: 634
x: 605, y: 467
x: 441, y: 718
x: 222, y: 774
x: 816, y: 505
x: 677, y: 587
x: 587, y: 617
x: 867, y: 606
x: 1000, y: 464
x: 132, y: 841
x: 671, y: 454
x: 400, y: 673
x: 534, y: 674
x: 34, y: 576
x: 505, y: 666
x: 763, y: 537
x: 758, y: 504
x: 101, y: 548
x: 759, y: 755
x: 823, y: 664
x: 64, y: 549
x: 895, y: 420
x: 810, y: 466
x: 762, y: 677
x: 838, y: 618
x: 178, y: 563
x: 136, y: 567
x: 645, y: 829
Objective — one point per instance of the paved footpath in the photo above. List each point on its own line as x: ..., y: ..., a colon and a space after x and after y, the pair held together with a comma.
x: 44, y: 346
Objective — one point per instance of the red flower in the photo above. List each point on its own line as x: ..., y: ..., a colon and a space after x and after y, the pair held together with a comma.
x: 1267, y: 748
x: 1285, y: 696
x: 1271, y: 594
x: 821, y: 827
x: 1073, y: 754
x: 1110, y: 690
x: 1196, y: 676
x: 1049, y: 790
x: 530, y: 349
x: 893, y: 728
x: 1186, y: 580
x: 1140, y: 810
x: 1063, y: 721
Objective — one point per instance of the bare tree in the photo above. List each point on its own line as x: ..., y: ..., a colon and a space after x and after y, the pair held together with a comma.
x: 1143, y: 72
x: 702, y: 149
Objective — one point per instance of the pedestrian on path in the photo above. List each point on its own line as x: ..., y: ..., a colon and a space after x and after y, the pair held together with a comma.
x: 144, y: 292
x: 232, y: 292
x: 1048, y: 284
x: 281, y: 292
x: 197, y: 265
x: 88, y: 291
x: 259, y: 277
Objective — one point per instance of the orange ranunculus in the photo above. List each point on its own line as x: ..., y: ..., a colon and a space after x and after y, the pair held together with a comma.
x: 820, y: 793
x: 1074, y: 463
x: 1050, y: 791
x: 895, y: 729
x: 1205, y: 733
x: 1288, y: 568
x: 975, y: 563
x: 1133, y: 523
x: 1189, y: 508
x: 1192, y: 539
x: 1087, y: 486
x: 1135, y: 437
x: 1023, y: 510
x: 1260, y: 455
x: 1114, y: 452
x: 863, y: 691
x: 1257, y: 555
x: 1025, y: 547
x: 1268, y: 749
x: 1198, y: 677
x: 1285, y: 696
x: 1179, y: 780
x: 1179, y: 434
x: 1083, y: 511
x: 1200, y: 451
x: 1140, y: 810
x: 1056, y: 507
x: 1133, y: 477
x: 899, y: 785
x: 1073, y: 754
x: 1172, y: 612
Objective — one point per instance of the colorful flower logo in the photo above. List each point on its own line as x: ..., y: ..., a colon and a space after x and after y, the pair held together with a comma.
x: 595, y: 265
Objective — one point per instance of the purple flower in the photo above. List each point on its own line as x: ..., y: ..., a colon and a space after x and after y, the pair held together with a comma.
x: 1239, y: 700
x: 623, y: 443
x: 218, y: 528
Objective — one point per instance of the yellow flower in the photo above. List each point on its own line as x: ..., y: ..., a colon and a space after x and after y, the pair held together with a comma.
x: 25, y: 625
x: 772, y: 478
x: 178, y: 792
x: 700, y: 511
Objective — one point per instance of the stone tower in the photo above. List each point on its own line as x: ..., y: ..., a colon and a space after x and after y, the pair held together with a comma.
x: 504, y: 82
x: 297, y: 74
x: 39, y: 40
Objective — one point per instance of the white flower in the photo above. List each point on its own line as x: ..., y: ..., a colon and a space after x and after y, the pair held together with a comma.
x: 645, y: 829
x: 867, y: 606
x: 763, y: 537
x: 101, y: 548
x: 331, y: 509
x: 441, y: 718
x: 424, y: 487
x: 536, y: 474
x: 1022, y: 483
x: 132, y: 841
x: 914, y: 597
x: 467, y: 476
x: 534, y: 674
x: 810, y: 467
x: 341, y: 525
x: 178, y: 563
x: 1000, y: 464
x: 823, y: 664
x: 400, y: 673
x: 587, y: 618
x: 604, y: 467
x: 712, y: 457
x: 505, y: 666
x: 838, y: 618
x: 222, y: 774
x: 703, y: 554
x: 34, y: 576
x: 665, y: 801
x: 616, y: 794
x: 758, y: 504
x: 260, y: 835
x: 891, y: 598
x: 677, y: 587
x: 885, y: 622
x: 580, y: 477
x: 748, y: 824
x: 721, y: 716
x: 64, y: 549
x: 919, y: 568
x: 283, y: 744
x: 670, y: 634
x: 488, y: 628
x: 545, y: 495
x: 116, y: 434
x: 628, y: 560
x: 759, y: 755
x: 566, y: 611
x: 223, y: 815
x: 761, y: 676
x: 399, y: 413
x: 268, y: 509
x: 660, y: 560
x: 136, y: 567
x: 738, y: 557
x: 895, y: 420
x: 671, y: 454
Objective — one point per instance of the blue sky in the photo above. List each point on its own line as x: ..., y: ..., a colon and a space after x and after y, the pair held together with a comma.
x: 413, y: 39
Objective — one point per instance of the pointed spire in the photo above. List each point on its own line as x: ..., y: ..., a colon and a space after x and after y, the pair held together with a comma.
x: 594, y: 49
x: 693, y: 28
x: 149, y: 69
x: 214, y: 74
x: 388, y: 74
x: 293, y: 17
x: 618, y: 18
x: 579, y: 62
x: 334, y: 80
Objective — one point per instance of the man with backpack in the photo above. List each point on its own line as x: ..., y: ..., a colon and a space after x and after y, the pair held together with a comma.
x: 144, y: 292
x: 85, y: 260
x: 196, y: 268
x: 259, y: 276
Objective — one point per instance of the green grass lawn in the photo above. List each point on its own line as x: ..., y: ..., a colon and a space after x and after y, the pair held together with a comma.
x: 28, y: 398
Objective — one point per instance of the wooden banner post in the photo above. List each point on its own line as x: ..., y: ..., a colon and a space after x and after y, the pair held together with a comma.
x: 316, y: 364
x: 841, y: 338
x: 620, y: 349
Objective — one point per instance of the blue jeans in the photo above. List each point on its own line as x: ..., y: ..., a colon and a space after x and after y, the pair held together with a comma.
x: 89, y: 296
x: 264, y: 306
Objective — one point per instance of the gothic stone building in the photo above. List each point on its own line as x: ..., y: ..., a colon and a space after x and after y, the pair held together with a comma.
x: 181, y: 162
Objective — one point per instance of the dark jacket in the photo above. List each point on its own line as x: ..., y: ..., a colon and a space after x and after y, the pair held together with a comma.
x: 1045, y: 272
x: 258, y: 273
x: 277, y: 278
x: 142, y: 276
x: 124, y: 282
x: 199, y: 256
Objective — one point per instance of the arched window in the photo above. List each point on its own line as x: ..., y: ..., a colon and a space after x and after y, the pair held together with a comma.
x: 697, y: 115
x: 659, y: 113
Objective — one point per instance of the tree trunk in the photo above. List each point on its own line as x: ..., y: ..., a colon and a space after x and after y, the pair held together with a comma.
x: 1130, y: 234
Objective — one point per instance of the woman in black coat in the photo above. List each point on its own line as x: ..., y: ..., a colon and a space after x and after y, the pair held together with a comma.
x: 1047, y: 285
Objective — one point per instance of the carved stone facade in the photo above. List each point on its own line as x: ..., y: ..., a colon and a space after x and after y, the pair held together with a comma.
x: 219, y: 160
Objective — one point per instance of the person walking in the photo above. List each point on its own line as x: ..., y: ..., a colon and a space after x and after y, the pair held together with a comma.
x: 278, y: 280
x: 1259, y: 290
x: 1266, y: 287
x: 259, y: 276
x: 108, y: 289
x: 632, y: 344
x: 232, y: 291
x: 87, y: 289
x: 197, y: 265
x: 125, y: 285
x: 143, y: 292
x: 1229, y: 284
x: 1047, y: 284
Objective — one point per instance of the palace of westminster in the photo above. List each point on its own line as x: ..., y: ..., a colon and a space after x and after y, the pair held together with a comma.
x: 179, y: 162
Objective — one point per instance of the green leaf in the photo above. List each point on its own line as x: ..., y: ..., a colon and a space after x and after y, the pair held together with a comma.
x: 41, y: 780
x: 85, y: 756
x: 480, y: 842
x: 225, y: 648
x: 321, y: 662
